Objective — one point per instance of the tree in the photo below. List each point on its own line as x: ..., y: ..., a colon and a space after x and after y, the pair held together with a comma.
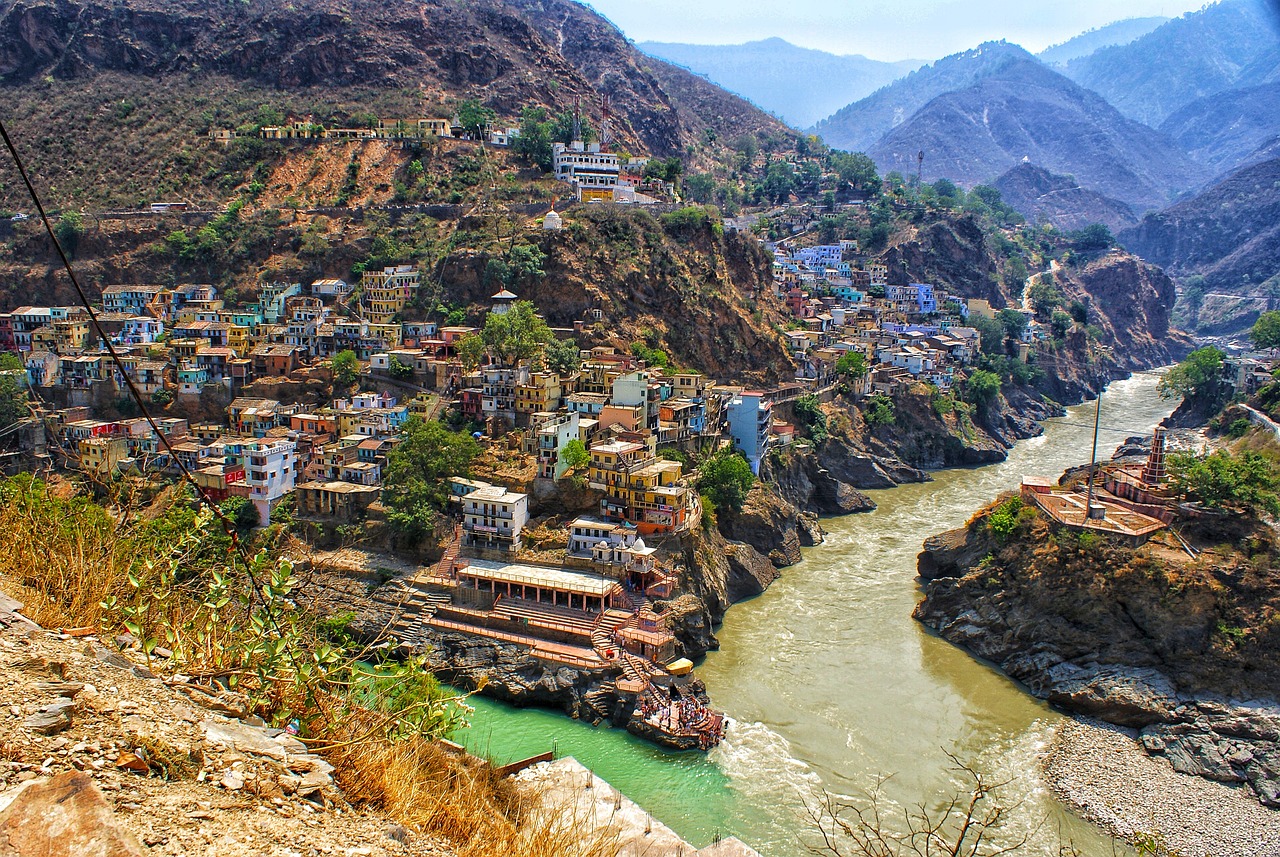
x: 399, y: 370
x: 991, y: 334
x: 1244, y: 483
x: 346, y: 368
x: 982, y: 388
x: 725, y: 479
x: 575, y: 455
x: 1092, y: 240
x: 852, y: 364
x: 879, y: 410
x: 810, y: 415
x: 1200, y: 377
x: 534, y: 142
x: 68, y: 229
x: 563, y: 357
x: 668, y: 170
x: 516, y: 335
x: 779, y: 181
x: 1060, y: 322
x: 415, y: 484
x: 1045, y: 297
x: 471, y: 350
x: 475, y: 118
x: 241, y: 511
x: 1014, y: 323
x: 13, y: 393
x: 700, y: 187
x: 855, y: 169
x: 1266, y: 331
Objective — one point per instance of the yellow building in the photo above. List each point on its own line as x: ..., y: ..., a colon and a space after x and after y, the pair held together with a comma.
x: 384, y: 293
x: 101, y: 456
x: 238, y: 340
x: 639, y: 487
x: 541, y: 394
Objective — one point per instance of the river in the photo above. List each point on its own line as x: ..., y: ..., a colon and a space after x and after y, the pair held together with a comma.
x: 832, y: 685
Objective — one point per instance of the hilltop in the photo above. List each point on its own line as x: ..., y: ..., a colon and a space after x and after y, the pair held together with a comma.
x: 147, y: 81
x: 1042, y: 196
x: 1117, y: 33
x: 1019, y: 108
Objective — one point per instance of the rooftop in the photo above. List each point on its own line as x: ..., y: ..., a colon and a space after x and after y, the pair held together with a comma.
x: 560, y: 579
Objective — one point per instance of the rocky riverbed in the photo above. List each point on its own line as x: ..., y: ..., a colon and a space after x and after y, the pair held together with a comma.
x: 1102, y: 770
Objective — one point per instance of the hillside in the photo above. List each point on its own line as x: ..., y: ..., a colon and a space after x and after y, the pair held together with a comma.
x: 800, y: 85
x: 1224, y: 131
x: 1189, y: 58
x: 1042, y: 196
x: 858, y: 126
x: 1117, y: 33
x: 1020, y: 109
x: 147, y: 80
x: 1229, y: 234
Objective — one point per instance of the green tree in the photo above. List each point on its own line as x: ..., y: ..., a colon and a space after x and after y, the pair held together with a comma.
x: 1092, y: 240
x: 1200, y: 377
x: 1244, y: 483
x: 346, y: 368
x: 13, y: 392
x: 879, y: 410
x: 700, y: 188
x: 1045, y: 297
x: 725, y: 479
x: 475, y: 118
x: 853, y: 365
x: 811, y: 417
x: 563, y: 357
x: 575, y: 455
x: 1266, y: 331
x: 68, y: 230
x: 1060, y: 322
x: 240, y: 510
x: 471, y: 350
x: 415, y: 484
x: 1014, y: 323
x: 525, y: 263
x: 534, y: 142
x: 779, y: 181
x: 399, y: 370
x: 516, y: 335
x: 991, y: 334
x: 856, y: 169
x: 982, y: 388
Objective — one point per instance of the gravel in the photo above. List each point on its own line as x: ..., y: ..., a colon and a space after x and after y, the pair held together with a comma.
x: 1103, y: 772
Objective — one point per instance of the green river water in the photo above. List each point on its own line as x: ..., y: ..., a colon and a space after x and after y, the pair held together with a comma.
x: 831, y: 684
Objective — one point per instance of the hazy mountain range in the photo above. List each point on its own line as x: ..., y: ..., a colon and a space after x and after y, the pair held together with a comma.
x: 780, y: 77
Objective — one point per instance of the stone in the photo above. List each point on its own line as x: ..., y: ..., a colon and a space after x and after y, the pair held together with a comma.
x: 65, y: 816
x: 110, y: 658
x: 398, y: 833
x: 132, y: 762
x: 60, y: 688
x: 246, y: 739
x: 1119, y: 695
x: 232, y: 782
x: 51, y: 719
x: 1197, y: 755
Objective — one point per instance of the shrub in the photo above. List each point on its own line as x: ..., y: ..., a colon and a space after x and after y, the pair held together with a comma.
x: 725, y: 480
x: 879, y: 410
x: 1003, y: 520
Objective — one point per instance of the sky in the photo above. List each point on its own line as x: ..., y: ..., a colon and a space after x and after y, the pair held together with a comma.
x: 880, y: 29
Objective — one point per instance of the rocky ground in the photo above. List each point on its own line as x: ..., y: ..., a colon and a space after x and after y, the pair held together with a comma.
x: 96, y: 748
x: 1102, y: 771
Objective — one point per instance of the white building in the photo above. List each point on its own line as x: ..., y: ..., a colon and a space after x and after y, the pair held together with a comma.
x: 493, y: 518
x: 270, y: 471
x: 591, y: 172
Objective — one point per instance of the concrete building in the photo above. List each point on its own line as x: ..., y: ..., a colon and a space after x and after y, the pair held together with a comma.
x: 270, y: 469
x: 593, y: 174
x: 493, y: 518
x: 750, y: 417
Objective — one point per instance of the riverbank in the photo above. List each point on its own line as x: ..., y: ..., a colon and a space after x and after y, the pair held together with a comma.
x: 1102, y: 771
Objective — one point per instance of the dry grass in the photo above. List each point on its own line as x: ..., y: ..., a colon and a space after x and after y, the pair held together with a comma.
x: 433, y: 790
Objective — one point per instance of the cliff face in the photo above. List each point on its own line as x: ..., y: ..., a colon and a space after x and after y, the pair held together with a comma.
x: 1144, y: 638
x: 1042, y: 196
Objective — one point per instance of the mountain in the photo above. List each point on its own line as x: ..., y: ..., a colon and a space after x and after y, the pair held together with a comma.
x: 858, y: 126
x: 798, y: 84
x: 614, y: 66
x: 1042, y: 196
x: 1225, y: 130
x: 1019, y: 109
x: 147, y: 79
x: 1230, y: 233
x: 1202, y: 53
x: 1117, y: 33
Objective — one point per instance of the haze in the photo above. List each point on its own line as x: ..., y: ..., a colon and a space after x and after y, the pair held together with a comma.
x: 880, y: 29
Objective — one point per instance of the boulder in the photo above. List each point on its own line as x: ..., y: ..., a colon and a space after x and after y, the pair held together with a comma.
x: 1119, y: 695
x: 62, y: 817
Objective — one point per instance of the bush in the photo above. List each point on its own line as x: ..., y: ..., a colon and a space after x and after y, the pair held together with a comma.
x: 1245, y: 483
x: 879, y: 410
x: 810, y: 415
x: 1003, y: 520
x: 725, y: 480
x: 240, y: 510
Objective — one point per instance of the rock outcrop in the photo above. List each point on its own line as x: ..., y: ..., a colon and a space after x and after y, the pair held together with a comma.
x: 1177, y: 648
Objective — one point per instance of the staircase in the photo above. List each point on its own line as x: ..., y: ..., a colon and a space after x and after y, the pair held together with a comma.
x: 444, y: 568
x: 602, y: 698
x: 415, y: 608
x: 606, y: 625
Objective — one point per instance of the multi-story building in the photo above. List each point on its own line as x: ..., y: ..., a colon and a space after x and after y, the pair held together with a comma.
x: 593, y: 174
x: 553, y: 434
x: 498, y: 393
x: 25, y: 321
x: 639, y: 488
x: 541, y: 393
x: 493, y: 518
x: 101, y: 456
x: 270, y: 469
x: 384, y: 293
x: 750, y: 417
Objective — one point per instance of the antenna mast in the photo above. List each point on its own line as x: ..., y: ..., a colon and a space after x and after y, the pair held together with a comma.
x: 606, y: 123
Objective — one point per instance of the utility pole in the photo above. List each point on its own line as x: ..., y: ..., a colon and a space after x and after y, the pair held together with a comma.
x: 919, y: 168
x: 1093, y: 460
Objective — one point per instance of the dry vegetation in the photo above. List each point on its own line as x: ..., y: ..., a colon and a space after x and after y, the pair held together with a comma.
x: 66, y: 556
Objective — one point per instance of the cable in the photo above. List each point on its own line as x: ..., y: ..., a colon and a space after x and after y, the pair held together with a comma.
x: 227, y: 525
